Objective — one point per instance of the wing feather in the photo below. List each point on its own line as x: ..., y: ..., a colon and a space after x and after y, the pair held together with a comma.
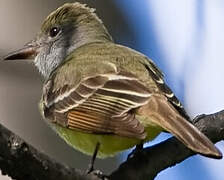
x: 101, y: 104
x: 157, y: 76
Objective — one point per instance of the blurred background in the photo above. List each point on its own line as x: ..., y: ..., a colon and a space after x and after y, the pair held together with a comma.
x: 185, y: 39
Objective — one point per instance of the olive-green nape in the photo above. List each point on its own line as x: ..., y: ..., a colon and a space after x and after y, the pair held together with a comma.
x: 67, y: 13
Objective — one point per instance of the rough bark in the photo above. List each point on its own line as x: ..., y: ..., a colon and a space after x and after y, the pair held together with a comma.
x: 21, y: 161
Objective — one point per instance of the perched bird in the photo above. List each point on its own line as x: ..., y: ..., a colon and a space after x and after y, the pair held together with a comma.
x: 101, y: 97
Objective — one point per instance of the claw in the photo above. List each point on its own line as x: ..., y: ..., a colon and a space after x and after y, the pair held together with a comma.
x: 99, y: 174
x: 137, y: 149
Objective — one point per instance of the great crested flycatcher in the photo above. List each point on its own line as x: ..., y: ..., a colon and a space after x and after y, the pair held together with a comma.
x: 100, y: 94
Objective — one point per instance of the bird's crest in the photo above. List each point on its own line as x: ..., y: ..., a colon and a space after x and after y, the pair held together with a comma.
x: 69, y: 12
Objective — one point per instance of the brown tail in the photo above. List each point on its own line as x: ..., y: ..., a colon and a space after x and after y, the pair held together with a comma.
x: 162, y: 113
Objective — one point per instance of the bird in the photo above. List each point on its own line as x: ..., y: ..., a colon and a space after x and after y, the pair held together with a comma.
x: 101, y: 97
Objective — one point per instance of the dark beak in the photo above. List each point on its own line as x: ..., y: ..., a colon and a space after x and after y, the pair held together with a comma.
x: 28, y: 52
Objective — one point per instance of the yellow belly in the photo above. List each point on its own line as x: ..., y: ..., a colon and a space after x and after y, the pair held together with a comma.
x: 109, y: 144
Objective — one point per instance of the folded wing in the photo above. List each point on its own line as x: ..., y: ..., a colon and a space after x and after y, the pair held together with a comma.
x: 102, y: 104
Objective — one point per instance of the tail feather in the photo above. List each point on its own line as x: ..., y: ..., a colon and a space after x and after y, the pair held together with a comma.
x: 162, y: 113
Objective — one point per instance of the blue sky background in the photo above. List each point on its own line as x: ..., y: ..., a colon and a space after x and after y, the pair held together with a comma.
x: 185, y: 39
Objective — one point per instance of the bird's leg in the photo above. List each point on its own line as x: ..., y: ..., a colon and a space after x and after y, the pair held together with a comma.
x: 91, y: 169
x: 137, y: 149
x: 91, y: 164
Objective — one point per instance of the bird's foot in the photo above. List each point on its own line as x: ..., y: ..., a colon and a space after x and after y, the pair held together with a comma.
x: 97, y: 173
x: 198, y: 117
x: 137, y: 150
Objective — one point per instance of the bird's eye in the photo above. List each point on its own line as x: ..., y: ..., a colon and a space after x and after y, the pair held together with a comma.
x: 54, y: 31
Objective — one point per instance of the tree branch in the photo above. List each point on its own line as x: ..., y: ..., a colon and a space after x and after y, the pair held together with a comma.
x: 152, y: 160
x: 21, y: 161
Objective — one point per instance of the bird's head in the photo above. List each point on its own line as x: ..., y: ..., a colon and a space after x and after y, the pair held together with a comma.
x: 65, y: 29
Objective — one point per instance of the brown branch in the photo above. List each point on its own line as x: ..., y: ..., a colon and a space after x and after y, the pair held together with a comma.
x: 21, y: 161
x: 148, y: 163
